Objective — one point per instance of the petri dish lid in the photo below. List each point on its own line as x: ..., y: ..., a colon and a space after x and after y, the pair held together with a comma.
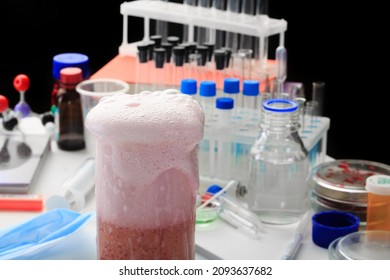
x: 361, y: 245
x: 344, y: 180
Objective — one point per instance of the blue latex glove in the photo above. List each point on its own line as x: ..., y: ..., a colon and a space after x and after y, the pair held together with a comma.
x: 42, y: 231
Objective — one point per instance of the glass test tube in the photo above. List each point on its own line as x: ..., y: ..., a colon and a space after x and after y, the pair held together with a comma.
x: 203, y: 34
x: 233, y: 7
x: 202, y: 63
x: 141, y: 79
x: 247, y: 8
x: 219, y: 34
x: 162, y: 27
x: 168, y: 63
x: 193, y: 69
x: 244, y: 57
x: 229, y: 63
x: 318, y: 97
x: 262, y: 15
x: 186, y: 31
x: 210, y: 61
x: 159, y: 81
x: 220, y: 64
x: 178, y: 66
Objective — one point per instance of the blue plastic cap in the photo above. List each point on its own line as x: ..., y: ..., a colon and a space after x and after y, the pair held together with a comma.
x: 225, y: 103
x: 251, y: 88
x: 280, y: 105
x: 188, y: 86
x: 330, y: 225
x: 231, y: 85
x: 64, y: 60
x: 207, y: 88
x: 213, y: 189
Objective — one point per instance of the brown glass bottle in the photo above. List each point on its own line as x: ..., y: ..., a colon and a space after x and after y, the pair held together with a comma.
x: 70, y: 121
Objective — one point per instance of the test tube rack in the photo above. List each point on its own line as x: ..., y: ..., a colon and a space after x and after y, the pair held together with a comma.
x: 260, y: 26
x: 242, y: 135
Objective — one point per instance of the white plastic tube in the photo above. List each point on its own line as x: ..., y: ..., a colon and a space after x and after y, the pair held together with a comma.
x: 73, y: 192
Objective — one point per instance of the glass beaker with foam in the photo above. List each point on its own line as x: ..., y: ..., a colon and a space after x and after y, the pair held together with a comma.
x: 146, y: 174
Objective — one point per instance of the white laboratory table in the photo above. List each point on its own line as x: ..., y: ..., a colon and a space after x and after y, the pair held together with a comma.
x: 216, y: 241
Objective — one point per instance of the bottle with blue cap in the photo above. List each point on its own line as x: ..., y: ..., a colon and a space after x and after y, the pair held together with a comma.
x: 64, y: 60
x: 279, y: 166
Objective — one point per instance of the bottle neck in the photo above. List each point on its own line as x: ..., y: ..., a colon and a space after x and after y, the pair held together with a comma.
x: 279, y: 122
x: 68, y: 85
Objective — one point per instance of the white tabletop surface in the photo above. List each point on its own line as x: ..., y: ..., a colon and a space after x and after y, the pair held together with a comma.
x: 216, y: 241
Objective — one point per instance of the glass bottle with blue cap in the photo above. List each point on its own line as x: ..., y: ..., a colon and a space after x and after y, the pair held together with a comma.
x: 279, y: 165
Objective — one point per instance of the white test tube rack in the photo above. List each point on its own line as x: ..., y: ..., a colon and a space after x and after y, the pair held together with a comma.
x: 314, y: 135
x: 242, y: 137
x: 260, y: 26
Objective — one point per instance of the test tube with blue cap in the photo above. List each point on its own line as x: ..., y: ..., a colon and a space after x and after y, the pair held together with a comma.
x: 189, y: 87
x: 231, y: 89
x: 207, y: 96
x: 225, y: 148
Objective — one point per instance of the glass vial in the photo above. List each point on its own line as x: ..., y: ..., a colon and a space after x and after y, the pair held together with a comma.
x: 70, y: 118
x: 279, y: 165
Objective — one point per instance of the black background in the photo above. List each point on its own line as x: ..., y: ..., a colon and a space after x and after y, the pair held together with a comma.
x: 340, y: 44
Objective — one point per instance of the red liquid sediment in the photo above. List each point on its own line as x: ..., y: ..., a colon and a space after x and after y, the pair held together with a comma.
x: 175, y: 242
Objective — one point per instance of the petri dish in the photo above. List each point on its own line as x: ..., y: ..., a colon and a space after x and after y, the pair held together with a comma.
x: 361, y: 245
x: 340, y: 185
x: 209, y: 213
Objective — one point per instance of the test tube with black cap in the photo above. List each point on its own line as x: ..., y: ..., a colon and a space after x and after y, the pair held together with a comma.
x: 157, y: 39
x: 229, y: 62
x: 210, y: 50
x: 159, y: 82
x: 141, y: 79
x: 168, y: 61
x: 220, y: 63
x: 203, y: 51
x: 151, y: 46
x: 174, y: 40
x: 178, y: 65
x: 190, y: 48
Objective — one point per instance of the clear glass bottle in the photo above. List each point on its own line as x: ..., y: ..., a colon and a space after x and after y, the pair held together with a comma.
x: 70, y: 120
x: 279, y: 165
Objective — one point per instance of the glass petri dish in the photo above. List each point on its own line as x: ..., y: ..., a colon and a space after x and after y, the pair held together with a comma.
x: 209, y: 213
x: 361, y: 245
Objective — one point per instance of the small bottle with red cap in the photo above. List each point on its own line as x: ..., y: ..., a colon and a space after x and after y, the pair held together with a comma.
x: 70, y: 118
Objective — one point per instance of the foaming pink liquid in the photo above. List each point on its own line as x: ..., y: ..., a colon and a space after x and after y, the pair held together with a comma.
x: 147, y: 174
x: 146, y: 210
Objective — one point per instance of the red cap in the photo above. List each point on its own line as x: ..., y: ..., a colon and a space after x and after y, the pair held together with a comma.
x: 71, y: 75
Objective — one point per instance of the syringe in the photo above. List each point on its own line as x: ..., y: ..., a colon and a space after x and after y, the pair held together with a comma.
x: 72, y: 193
x: 233, y: 211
